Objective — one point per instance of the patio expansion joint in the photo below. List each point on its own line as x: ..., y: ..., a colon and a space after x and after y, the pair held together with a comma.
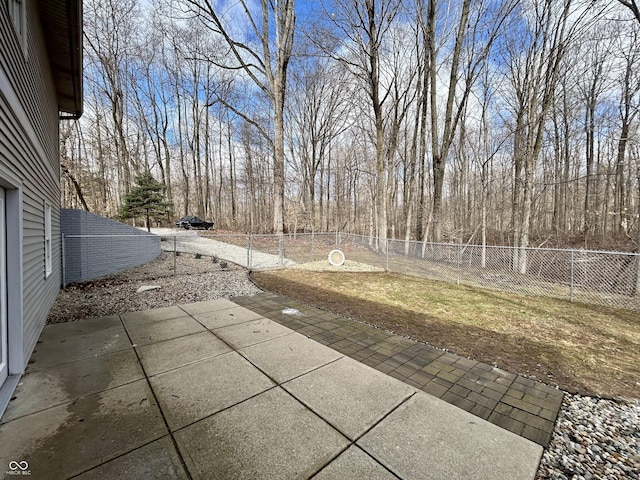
x: 94, y: 467
x: 476, y: 387
x: 354, y: 442
x: 155, y: 397
x: 205, y: 417
x: 275, y: 382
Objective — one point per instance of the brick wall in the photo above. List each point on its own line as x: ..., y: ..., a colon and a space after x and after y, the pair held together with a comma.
x: 95, y: 246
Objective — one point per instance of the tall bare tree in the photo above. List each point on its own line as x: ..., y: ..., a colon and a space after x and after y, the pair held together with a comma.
x: 477, y: 28
x: 109, y: 28
x: 319, y: 114
x: 265, y: 62
x: 535, y: 68
x: 358, y: 36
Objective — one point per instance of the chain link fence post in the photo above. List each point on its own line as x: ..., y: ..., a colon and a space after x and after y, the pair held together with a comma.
x: 281, y: 248
x: 572, y: 275
x: 387, y: 250
x: 175, y: 255
x: 248, y: 252
x: 459, y: 261
x: 64, y: 261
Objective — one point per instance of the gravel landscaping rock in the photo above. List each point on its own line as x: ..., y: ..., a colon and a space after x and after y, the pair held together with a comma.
x: 594, y: 438
x: 194, y: 280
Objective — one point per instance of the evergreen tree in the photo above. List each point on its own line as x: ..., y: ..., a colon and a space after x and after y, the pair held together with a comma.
x: 147, y: 199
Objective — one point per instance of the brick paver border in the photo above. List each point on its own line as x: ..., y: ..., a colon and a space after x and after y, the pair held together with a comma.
x: 518, y: 404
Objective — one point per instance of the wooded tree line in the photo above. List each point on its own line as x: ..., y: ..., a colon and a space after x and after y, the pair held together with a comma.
x: 493, y: 121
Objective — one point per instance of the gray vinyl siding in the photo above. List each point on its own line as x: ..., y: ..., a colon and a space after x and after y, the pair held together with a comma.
x: 31, y: 78
x: 30, y: 152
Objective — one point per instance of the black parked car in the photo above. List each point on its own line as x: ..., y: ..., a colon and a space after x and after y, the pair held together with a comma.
x: 193, y: 222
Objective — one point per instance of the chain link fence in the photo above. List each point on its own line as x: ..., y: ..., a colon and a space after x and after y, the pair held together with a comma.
x: 594, y: 277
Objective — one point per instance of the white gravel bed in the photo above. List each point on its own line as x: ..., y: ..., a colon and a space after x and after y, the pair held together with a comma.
x: 594, y: 438
x: 194, y: 280
x: 188, y: 241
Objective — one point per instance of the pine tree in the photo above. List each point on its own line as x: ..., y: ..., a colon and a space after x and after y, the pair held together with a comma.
x: 147, y: 199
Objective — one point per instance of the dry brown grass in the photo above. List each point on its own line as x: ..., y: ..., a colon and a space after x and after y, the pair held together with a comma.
x: 591, y: 349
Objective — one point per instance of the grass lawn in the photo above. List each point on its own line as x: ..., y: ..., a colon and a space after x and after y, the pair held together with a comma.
x: 584, y: 348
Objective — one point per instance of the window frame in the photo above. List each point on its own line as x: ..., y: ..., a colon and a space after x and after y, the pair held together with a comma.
x: 48, y: 242
x: 18, y: 14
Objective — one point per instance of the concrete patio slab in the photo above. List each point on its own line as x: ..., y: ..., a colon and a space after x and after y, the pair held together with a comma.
x: 271, y: 436
x: 62, y: 331
x: 252, y: 332
x: 355, y: 404
x: 275, y: 409
x: 44, y: 389
x: 177, y: 352
x: 150, y: 316
x: 78, y: 347
x: 354, y: 463
x: 155, y: 461
x: 452, y: 444
x: 289, y: 356
x: 207, y: 307
x: 228, y: 316
x: 147, y: 333
x: 69, y: 439
x: 192, y: 392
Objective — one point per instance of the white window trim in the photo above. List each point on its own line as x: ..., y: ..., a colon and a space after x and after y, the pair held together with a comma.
x: 48, y: 264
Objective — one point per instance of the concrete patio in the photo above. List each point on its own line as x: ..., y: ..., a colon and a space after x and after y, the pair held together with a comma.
x: 216, y: 390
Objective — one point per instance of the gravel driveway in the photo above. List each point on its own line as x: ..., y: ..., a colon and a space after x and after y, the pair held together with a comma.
x: 190, y: 242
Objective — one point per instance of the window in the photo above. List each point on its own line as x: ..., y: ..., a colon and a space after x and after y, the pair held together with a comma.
x: 47, y: 240
x: 18, y: 14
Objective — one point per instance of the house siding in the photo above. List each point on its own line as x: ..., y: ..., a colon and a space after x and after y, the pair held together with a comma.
x: 30, y: 78
x: 29, y: 151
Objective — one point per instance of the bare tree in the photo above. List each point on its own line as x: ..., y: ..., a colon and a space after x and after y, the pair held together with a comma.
x: 356, y: 41
x: 319, y: 112
x: 69, y: 144
x: 477, y: 29
x: 594, y: 59
x: 633, y: 6
x: 629, y: 107
x: 266, y: 64
x: 109, y: 26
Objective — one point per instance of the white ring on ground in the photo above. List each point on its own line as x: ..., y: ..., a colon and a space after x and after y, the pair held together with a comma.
x: 339, y: 258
